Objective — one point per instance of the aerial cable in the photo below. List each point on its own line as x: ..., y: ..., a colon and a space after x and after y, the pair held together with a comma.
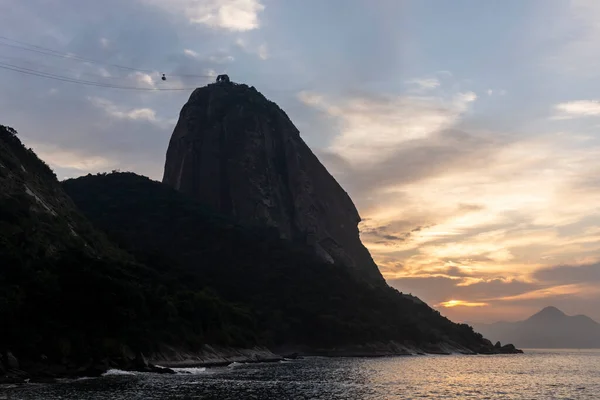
x: 80, y: 81
x: 28, y: 71
x: 74, y: 57
x: 70, y: 56
x: 51, y: 76
x: 82, y: 72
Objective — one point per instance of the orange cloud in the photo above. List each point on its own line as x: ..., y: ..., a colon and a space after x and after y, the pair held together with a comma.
x: 461, y: 303
x: 561, y: 290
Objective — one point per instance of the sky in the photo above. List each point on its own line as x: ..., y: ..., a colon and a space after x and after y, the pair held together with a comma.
x: 466, y: 132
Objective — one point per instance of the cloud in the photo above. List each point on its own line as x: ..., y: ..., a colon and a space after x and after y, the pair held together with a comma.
x: 221, y: 58
x: 261, y: 51
x: 191, y: 53
x: 577, y: 109
x: 232, y: 15
x: 382, y: 234
x: 510, y: 213
x: 573, y: 40
x: 372, y: 128
x: 425, y: 83
x: 501, y: 92
x: 461, y: 303
x: 68, y: 159
x: 144, y: 79
x: 550, y: 292
x: 574, y: 274
x: 499, y: 298
x: 133, y: 114
x: 443, y: 290
x: 312, y: 99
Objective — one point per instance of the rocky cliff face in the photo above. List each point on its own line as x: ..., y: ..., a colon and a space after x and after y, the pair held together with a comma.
x: 239, y: 153
x: 30, y: 191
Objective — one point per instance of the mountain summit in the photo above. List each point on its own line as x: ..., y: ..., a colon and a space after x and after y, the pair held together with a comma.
x: 548, y: 328
x: 547, y: 314
x: 240, y: 154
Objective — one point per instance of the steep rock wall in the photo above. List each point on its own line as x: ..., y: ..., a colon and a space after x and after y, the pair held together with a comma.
x: 239, y: 153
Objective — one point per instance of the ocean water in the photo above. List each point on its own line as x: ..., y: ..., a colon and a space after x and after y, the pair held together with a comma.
x: 538, y: 374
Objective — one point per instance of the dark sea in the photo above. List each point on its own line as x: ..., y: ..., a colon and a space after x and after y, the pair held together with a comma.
x: 538, y: 374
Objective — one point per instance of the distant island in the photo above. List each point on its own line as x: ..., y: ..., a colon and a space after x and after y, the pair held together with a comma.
x: 549, y: 328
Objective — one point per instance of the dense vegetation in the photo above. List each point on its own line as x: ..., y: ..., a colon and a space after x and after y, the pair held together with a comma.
x: 68, y: 293
x: 295, y: 298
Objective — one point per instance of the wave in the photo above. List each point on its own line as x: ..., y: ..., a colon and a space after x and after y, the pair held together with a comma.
x: 235, y: 364
x: 117, y: 372
x: 190, y: 371
x: 179, y: 371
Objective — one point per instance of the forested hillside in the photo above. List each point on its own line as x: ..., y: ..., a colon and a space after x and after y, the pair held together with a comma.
x: 67, y: 294
x: 296, y: 297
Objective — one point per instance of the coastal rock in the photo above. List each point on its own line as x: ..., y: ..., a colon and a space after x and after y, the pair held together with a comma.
x: 292, y: 356
x: 140, y: 361
x: 136, y: 361
x: 240, y: 154
x: 159, y: 370
x: 510, y: 349
x: 92, y: 369
x: 211, y: 356
x: 11, y: 361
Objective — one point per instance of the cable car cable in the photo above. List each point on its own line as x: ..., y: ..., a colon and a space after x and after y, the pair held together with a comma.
x: 28, y: 71
x: 71, y: 56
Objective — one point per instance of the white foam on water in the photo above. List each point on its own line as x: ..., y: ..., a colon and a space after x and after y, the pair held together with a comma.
x: 235, y: 364
x: 117, y: 372
x: 190, y: 383
x: 190, y: 371
x: 69, y: 380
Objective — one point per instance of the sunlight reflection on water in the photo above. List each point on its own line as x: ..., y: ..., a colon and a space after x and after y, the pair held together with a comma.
x: 538, y: 374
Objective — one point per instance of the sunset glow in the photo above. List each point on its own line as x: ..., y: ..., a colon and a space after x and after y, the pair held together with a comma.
x: 461, y: 303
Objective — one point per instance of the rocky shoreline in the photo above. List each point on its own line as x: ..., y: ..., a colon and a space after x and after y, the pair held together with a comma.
x: 211, y: 356
x: 392, y: 348
x: 163, y: 361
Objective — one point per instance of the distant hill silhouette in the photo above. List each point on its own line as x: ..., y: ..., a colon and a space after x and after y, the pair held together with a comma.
x: 549, y: 328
